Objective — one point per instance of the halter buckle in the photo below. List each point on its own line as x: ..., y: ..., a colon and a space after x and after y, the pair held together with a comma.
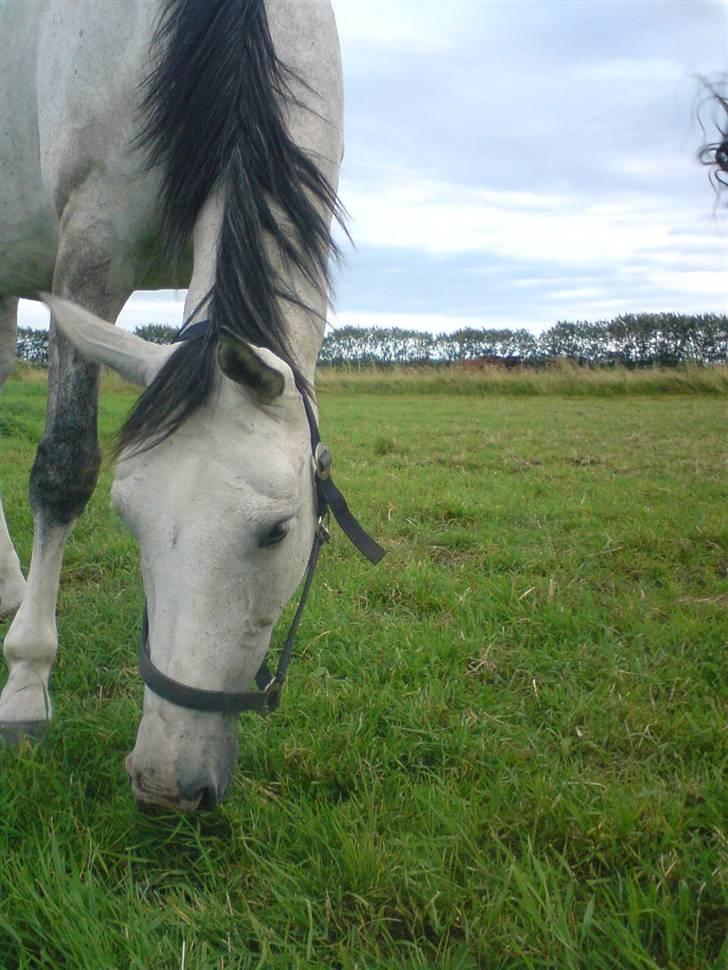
x: 323, y: 460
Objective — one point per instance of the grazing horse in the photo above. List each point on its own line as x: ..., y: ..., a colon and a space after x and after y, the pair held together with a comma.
x: 143, y: 142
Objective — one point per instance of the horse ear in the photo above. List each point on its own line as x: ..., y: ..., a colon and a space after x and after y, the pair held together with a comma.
x: 138, y: 361
x: 255, y: 368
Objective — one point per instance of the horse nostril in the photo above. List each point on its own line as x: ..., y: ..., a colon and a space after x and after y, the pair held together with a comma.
x: 152, y: 802
x: 150, y: 798
x: 150, y: 808
x: 208, y: 798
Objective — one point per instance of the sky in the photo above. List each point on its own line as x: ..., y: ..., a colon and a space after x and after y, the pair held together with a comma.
x: 512, y: 163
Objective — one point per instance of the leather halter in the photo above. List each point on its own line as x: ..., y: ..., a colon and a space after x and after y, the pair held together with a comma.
x: 267, y: 697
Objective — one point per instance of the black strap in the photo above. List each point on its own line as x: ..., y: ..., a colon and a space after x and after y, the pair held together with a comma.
x: 329, y: 495
x: 264, y: 679
x: 349, y: 525
x: 264, y: 700
x: 194, y: 698
x: 192, y: 331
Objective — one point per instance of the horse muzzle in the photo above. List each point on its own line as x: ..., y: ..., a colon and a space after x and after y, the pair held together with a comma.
x: 184, y: 762
x: 188, y: 797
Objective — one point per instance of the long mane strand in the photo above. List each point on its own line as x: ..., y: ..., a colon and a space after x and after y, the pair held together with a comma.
x: 213, y: 119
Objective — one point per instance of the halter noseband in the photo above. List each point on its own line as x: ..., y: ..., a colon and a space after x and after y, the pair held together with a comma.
x: 267, y: 697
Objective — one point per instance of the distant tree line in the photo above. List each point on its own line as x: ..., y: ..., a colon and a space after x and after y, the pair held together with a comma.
x: 157, y: 333
x: 32, y: 346
x: 630, y: 340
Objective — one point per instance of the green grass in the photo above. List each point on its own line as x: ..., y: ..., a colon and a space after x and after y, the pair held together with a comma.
x: 504, y: 747
x: 559, y: 377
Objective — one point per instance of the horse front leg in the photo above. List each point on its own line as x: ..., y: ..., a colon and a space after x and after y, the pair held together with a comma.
x: 63, y: 476
x: 12, y: 583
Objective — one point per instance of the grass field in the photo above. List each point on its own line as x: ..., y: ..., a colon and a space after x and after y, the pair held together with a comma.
x: 504, y: 747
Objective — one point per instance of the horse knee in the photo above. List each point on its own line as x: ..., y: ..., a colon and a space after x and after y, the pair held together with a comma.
x: 68, y: 458
x: 65, y: 471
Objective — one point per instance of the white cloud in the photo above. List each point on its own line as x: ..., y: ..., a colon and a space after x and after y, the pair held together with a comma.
x: 563, y: 231
x: 633, y: 70
x: 694, y: 283
x: 33, y: 314
x: 399, y: 25
x: 159, y: 306
x: 574, y: 293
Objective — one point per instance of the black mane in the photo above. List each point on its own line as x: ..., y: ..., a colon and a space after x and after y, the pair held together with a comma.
x: 212, y: 114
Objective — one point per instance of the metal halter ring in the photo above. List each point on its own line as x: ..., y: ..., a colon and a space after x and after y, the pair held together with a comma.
x: 322, y: 531
x: 272, y: 694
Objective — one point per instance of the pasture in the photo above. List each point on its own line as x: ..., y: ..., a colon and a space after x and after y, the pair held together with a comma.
x: 503, y: 747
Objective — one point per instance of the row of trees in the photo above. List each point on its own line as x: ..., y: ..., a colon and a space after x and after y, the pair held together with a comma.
x: 33, y: 346
x: 633, y: 340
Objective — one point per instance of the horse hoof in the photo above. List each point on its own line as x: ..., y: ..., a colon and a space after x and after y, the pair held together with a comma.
x: 14, y: 733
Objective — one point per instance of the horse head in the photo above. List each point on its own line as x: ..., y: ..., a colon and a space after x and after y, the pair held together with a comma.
x: 224, y: 512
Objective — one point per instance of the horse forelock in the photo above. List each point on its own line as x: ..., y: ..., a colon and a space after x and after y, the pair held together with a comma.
x: 212, y: 113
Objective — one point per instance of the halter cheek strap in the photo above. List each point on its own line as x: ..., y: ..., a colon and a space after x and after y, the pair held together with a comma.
x: 267, y: 697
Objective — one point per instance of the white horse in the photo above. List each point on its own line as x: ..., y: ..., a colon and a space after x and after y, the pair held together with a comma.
x: 215, y: 125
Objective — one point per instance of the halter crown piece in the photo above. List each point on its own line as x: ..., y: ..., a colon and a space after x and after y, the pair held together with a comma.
x: 267, y: 697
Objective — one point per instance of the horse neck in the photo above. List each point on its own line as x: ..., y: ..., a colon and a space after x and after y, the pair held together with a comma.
x: 305, y: 330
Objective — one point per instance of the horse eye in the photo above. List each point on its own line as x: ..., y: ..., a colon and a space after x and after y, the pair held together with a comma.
x: 277, y: 534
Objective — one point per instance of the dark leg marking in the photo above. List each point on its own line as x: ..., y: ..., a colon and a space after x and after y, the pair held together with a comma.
x: 68, y: 459
x: 67, y: 462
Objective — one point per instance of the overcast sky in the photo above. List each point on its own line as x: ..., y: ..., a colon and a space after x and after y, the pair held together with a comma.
x: 515, y: 163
